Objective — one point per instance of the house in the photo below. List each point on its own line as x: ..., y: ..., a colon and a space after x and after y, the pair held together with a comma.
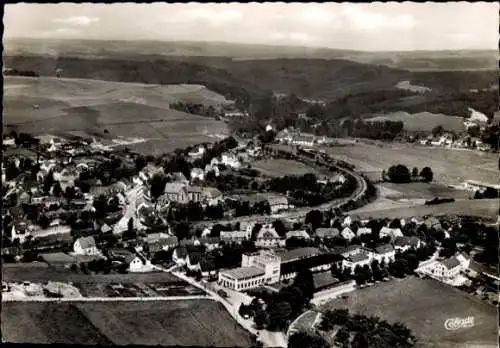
x: 193, y: 260
x: 347, y: 233
x: 356, y: 255
x: 327, y: 232
x: 393, y: 233
x: 303, y: 140
x: 363, y: 230
x: 267, y: 261
x: 85, y: 246
x: 20, y: 230
x: 210, y: 243
x: 268, y: 237
x: 278, y: 203
x: 179, y: 255
x: 179, y: 177
x: 208, y: 268
x: 212, y: 196
x: 404, y: 243
x: 385, y: 253
x: 137, y: 264
x: 235, y: 236
x: 166, y: 244
x: 433, y: 222
x: 198, y: 152
x: 445, y: 270
x: 231, y: 161
x: 197, y: 173
x: 212, y: 168
x: 302, y: 234
x: 347, y: 221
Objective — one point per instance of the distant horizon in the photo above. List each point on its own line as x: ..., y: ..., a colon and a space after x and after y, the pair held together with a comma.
x: 243, y: 44
x: 365, y: 27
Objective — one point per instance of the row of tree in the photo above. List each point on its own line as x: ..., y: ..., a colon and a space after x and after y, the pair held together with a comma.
x: 400, y: 174
x: 197, y: 109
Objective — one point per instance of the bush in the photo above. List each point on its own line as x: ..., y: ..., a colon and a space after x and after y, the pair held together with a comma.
x: 399, y: 174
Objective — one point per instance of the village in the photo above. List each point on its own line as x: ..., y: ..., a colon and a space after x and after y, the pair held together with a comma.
x: 87, y: 211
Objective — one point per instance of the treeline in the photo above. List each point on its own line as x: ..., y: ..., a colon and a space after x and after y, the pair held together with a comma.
x: 400, y: 174
x: 197, y: 109
x: 15, y: 72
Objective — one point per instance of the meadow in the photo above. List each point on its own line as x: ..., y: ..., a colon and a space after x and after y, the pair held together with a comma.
x: 169, y: 323
x: 123, y: 109
x: 279, y: 167
x: 449, y: 166
x: 424, y: 121
x: 423, y: 305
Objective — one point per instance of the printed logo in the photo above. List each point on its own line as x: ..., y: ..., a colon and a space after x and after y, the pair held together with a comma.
x: 459, y: 323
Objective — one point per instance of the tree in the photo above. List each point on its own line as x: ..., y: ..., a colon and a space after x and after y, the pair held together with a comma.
x: 315, y: 218
x: 279, y: 226
x: 261, y: 319
x: 399, y: 174
x: 43, y: 221
x: 303, y: 339
x: 157, y: 186
x: 427, y: 174
x: 342, y: 336
x: 384, y: 175
x: 305, y: 282
x: 414, y: 172
x: 48, y: 182
x: 438, y: 130
x: 57, y: 190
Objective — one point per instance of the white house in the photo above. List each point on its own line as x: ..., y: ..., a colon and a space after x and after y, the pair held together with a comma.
x: 356, y: 256
x: 197, y: 173
x: 363, y: 230
x: 404, y: 243
x: 214, y: 168
x: 297, y: 234
x: 241, y: 278
x: 231, y: 161
x: 179, y: 255
x: 347, y: 221
x: 347, y: 233
x: 197, y: 153
x: 393, y: 233
x: 445, y: 270
x: 269, y: 128
x: 137, y: 264
x: 85, y: 246
x: 20, y: 230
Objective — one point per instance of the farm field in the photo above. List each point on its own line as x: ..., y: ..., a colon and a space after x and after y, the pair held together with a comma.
x: 449, y: 166
x: 39, y: 273
x: 423, y: 121
x: 183, y: 323
x: 124, y: 109
x: 424, y: 305
x: 280, y: 167
x: 179, y: 288
x: 485, y: 208
x: 416, y: 190
x: 48, y: 323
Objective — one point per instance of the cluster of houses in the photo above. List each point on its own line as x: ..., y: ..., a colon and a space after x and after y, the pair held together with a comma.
x: 291, y: 137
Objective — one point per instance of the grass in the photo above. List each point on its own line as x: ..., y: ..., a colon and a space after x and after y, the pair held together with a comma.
x: 48, y: 323
x: 124, y: 109
x: 424, y: 121
x: 449, y: 166
x: 420, y: 190
x: 280, y: 167
x: 28, y: 272
x: 184, y: 323
x: 423, y: 305
x: 484, y: 208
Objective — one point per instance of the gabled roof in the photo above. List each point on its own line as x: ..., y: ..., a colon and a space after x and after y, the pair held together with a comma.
x: 181, y: 252
x: 297, y: 234
x: 404, y: 241
x: 328, y: 232
x: 207, y: 265
x: 193, y: 189
x: 385, y: 248
x: 451, y: 262
x: 86, y: 242
x: 298, y: 253
x: 194, y: 257
x: 358, y: 257
x: 197, y: 171
x: 209, y: 240
x: 363, y: 230
x: 173, y: 187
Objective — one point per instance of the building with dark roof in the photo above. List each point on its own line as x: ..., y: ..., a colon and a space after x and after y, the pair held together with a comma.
x: 316, y: 263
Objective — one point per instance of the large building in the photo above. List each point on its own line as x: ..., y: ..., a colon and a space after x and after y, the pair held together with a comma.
x: 180, y: 193
x: 241, y: 278
x: 265, y: 261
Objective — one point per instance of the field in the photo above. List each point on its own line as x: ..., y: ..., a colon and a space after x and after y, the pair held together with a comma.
x: 424, y: 121
x: 48, y: 323
x: 280, y: 167
x: 124, y: 109
x: 449, y: 166
x: 185, y: 323
x: 424, y: 305
x: 42, y: 273
x: 420, y: 190
x: 485, y: 208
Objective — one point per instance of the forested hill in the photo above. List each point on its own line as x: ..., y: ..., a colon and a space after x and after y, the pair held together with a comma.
x: 327, y: 80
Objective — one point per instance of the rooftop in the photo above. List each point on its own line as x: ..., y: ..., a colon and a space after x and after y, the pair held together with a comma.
x: 323, y: 232
x: 243, y: 272
x: 298, y: 253
x: 361, y: 256
x: 385, y: 248
x: 450, y: 263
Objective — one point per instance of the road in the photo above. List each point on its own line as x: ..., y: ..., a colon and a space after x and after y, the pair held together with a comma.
x: 130, y: 211
x: 6, y: 298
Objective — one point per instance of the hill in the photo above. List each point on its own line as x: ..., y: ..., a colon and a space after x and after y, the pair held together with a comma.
x: 146, y: 50
x: 87, y: 107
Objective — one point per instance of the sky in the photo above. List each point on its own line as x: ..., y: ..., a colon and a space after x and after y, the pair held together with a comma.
x: 368, y: 26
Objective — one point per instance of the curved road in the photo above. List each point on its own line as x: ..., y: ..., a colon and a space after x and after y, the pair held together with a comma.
x: 302, y: 211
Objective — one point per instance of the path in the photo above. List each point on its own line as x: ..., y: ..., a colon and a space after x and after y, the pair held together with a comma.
x: 102, y: 299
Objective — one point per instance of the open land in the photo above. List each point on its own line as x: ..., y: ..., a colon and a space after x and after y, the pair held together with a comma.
x: 281, y: 167
x: 124, y: 109
x: 449, y: 166
x: 186, y: 323
x: 424, y: 121
x: 424, y: 305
